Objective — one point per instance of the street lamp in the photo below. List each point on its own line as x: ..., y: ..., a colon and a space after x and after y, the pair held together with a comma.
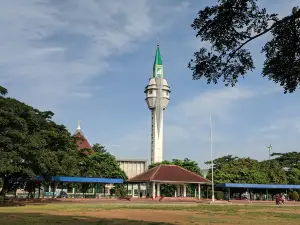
x: 212, y: 164
x: 270, y: 148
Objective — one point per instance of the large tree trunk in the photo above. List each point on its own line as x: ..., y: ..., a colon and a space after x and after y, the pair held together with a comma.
x: 3, y: 192
x: 4, y: 187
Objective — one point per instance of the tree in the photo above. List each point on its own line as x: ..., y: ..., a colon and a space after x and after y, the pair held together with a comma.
x: 290, y: 162
x: 221, y: 161
x: 230, y: 169
x: 3, y: 91
x: 169, y: 189
x: 242, y: 170
x: 229, y: 26
x: 293, y: 176
x: 295, y: 196
x: 32, y: 144
x: 274, y: 172
x: 99, y: 164
x: 288, y: 159
x: 164, y: 162
x: 99, y: 148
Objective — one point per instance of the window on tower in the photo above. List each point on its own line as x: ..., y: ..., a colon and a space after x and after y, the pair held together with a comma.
x: 150, y: 92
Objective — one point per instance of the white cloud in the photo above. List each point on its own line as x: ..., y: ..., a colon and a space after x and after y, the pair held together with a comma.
x: 282, y: 124
x: 186, y: 132
x: 215, y: 102
x: 50, y: 48
x: 189, y: 119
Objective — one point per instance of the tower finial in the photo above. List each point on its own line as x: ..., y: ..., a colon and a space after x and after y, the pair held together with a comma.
x: 78, y: 125
x: 157, y: 40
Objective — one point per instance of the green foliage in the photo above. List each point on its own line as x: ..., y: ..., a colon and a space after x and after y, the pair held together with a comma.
x: 221, y: 161
x: 164, y: 162
x: 288, y: 159
x: 293, y: 176
x: 229, y: 169
x: 274, y: 172
x: 99, y: 148
x: 32, y: 144
x: 169, y: 189
x: 3, y: 91
x: 291, y: 162
x: 219, y: 195
x: 229, y: 26
x: 100, y: 164
x: 120, y: 190
x: 242, y: 170
x: 295, y: 196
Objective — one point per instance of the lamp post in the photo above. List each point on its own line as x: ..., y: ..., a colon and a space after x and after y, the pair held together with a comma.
x: 270, y: 148
x: 212, y: 164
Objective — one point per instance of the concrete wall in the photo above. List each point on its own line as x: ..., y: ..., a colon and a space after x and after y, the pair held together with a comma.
x: 133, y: 167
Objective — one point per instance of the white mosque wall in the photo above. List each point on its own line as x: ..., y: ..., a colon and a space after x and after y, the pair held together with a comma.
x: 133, y: 167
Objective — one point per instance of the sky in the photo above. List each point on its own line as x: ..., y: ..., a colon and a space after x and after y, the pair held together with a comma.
x: 91, y: 60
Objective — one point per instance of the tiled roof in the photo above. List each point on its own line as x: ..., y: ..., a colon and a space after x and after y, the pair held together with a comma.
x: 169, y: 173
x: 81, y: 142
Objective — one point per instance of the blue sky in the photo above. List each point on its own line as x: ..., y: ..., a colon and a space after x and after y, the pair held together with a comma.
x: 91, y: 60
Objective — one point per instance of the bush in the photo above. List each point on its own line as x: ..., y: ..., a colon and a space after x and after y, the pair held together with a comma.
x: 121, y: 192
x: 112, y: 191
x: 295, y: 196
x: 219, y: 195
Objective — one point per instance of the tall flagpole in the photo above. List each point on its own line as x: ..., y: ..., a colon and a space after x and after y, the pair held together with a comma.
x: 212, y: 164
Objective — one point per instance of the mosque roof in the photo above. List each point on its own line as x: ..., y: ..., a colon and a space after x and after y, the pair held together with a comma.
x: 81, y: 141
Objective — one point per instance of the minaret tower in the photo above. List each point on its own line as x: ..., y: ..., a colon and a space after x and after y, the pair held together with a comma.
x: 157, y: 98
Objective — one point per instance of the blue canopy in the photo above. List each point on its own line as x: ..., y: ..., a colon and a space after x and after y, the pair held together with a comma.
x: 84, y: 179
x: 259, y: 186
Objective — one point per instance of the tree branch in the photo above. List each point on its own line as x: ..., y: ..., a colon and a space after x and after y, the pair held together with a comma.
x: 250, y: 39
x: 276, y: 23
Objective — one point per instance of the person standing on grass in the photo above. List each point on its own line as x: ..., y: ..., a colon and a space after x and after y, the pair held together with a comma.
x: 278, y: 199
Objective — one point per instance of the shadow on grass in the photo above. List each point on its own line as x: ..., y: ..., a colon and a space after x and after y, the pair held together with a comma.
x: 38, y: 218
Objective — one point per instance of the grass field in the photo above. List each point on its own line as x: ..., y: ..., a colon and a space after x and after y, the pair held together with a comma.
x: 133, y: 214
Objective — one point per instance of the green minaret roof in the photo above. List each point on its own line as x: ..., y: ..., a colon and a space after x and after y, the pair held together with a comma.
x: 158, y: 66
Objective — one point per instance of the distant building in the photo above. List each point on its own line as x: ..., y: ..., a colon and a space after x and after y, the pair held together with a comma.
x: 133, y: 167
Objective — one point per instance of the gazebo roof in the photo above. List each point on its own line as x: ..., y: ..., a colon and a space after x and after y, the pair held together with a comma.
x: 168, y: 174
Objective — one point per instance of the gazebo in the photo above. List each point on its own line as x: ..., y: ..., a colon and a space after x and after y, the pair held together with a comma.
x: 169, y: 174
